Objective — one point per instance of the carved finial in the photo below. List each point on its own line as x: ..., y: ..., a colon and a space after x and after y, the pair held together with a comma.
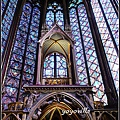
x: 68, y: 29
x: 44, y: 27
x: 67, y: 26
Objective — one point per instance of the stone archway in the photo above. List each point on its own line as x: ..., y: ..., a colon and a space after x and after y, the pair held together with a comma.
x: 59, y: 103
x: 58, y: 110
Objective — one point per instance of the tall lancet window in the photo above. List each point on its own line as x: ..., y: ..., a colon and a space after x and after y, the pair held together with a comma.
x: 87, y: 63
x: 8, y: 8
x: 54, y: 14
x: 21, y: 69
x: 80, y: 60
x: 107, y: 22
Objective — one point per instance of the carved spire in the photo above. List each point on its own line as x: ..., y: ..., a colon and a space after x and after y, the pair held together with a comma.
x: 67, y: 28
x: 44, y: 29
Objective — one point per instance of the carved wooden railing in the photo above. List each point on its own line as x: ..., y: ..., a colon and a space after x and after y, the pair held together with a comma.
x: 15, y: 106
x: 14, y: 112
x: 56, y: 81
x: 98, y: 105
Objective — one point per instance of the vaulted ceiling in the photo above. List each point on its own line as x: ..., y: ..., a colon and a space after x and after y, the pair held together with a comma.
x: 56, y: 43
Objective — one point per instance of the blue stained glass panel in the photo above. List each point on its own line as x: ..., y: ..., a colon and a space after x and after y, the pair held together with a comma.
x: 48, y: 71
x: 92, y: 62
x: 80, y: 63
x: 106, y: 38
x: 49, y: 19
x: 7, y: 20
x: 4, y: 2
x: 112, y: 18
x: 61, y: 69
x: 15, y: 64
x: 60, y: 20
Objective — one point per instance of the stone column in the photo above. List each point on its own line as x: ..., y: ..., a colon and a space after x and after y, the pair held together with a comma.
x: 74, y: 64
x: 92, y: 104
x: 24, y: 116
x: 70, y: 76
x: 38, y: 80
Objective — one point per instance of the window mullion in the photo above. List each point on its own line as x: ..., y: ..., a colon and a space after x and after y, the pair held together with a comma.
x: 55, y: 17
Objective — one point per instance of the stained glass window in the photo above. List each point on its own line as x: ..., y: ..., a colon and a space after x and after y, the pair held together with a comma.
x: 30, y: 59
x: 55, y: 66
x: 59, y: 19
x: 50, y: 19
x: 92, y: 62
x: 79, y: 19
x: 4, y: 2
x: 80, y: 62
x: 61, y: 66
x: 112, y: 18
x: 7, y: 20
x: 74, y: 3
x: 23, y: 58
x: 117, y: 1
x: 54, y: 14
x: 15, y: 65
x: 48, y: 71
x: 106, y: 38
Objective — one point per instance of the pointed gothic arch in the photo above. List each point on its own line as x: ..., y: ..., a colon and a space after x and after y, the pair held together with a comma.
x: 55, y: 29
x: 63, y: 105
x: 11, y: 115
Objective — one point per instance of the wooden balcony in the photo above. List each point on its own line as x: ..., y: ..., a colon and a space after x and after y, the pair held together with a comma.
x: 15, y: 106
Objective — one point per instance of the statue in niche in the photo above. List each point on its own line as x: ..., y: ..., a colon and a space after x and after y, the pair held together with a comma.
x: 29, y: 100
x: 85, y: 99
